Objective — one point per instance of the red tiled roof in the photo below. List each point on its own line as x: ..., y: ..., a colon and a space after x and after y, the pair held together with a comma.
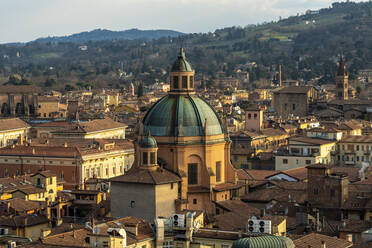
x: 12, y: 123
x: 147, y: 176
x: 315, y: 240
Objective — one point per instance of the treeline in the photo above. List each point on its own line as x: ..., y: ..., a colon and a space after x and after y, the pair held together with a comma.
x: 307, y: 46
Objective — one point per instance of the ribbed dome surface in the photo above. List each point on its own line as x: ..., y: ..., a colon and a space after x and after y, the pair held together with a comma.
x: 264, y: 242
x: 181, y: 64
x: 182, y: 115
x: 148, y: 142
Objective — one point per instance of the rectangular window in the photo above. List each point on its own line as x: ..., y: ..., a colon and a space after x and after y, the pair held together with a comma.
x: 316, y: 191
x: 192, y: 173
x: 62, y: 175
x: 132, y: 204
x: 308, y: 161
x: 295, y: 150
x: 184, y: 82
x: 332, y: 192
x: 191, y: 81
x: 218, y: 171
x: 107, y: 171
x: 175, y: 82
x: 114, y: 170
x: 145, y: 158
x: 152, y: 158
x: 235, y: 158
x: 293, y: 106
x: 285, y: 161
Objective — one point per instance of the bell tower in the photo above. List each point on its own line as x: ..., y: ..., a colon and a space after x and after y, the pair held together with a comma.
x: 342, y: 81
x: 182, y: 75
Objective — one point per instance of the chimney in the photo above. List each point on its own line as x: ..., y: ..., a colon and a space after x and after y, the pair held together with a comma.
x: 323, y: 245
x: 262, y: 212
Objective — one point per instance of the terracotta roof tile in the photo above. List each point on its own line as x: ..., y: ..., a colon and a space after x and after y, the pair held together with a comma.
x: 147, y: 176
x: 315, y: 240
x: 12, y: 123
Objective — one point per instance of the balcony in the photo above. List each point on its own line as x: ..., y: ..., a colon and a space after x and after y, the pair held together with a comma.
x: 367, y: 153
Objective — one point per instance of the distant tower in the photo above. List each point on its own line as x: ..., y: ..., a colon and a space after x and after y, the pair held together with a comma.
x: 131, y: 89
x: 253, y: 118
x: 342, y: 80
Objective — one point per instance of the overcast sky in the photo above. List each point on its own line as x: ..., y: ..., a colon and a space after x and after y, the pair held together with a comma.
x: 25, y: 20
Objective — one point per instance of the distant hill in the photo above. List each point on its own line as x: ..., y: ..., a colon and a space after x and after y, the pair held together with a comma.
x: 108, y: 35
x: 307, y: 46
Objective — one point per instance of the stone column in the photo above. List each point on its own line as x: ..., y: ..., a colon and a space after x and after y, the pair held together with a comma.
x: 11, y: 104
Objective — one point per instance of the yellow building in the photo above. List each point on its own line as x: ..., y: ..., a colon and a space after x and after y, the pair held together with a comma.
x: 50, y: 107
x: 355, y: 150
x: 29, y: 226
x: 303, y: 151
x: 12, y: 130
x: 36, y: 187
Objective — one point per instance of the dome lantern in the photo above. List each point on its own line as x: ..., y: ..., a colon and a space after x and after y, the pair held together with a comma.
x: 182, y: 75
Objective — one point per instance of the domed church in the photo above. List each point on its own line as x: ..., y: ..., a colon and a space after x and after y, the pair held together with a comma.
x: 183, y: 137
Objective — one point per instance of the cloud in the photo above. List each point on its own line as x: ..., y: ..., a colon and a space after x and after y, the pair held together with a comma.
x: 24, y: 20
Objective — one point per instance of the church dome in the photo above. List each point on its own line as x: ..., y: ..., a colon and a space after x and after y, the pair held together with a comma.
x: 182, y: 115
x: 264, y: 242
x: 181, y: 64
x: 148, y: 142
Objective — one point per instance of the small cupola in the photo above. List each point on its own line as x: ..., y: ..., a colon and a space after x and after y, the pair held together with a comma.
x: 182, y: 75
x: 148, y: 150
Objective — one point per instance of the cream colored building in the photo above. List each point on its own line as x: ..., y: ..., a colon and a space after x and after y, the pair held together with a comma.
x: 50, y: 107
x: 11, y: 130
x: 72, y: 160
x: 355, y: 150
x: 303, y: 151
x: 92, y: 129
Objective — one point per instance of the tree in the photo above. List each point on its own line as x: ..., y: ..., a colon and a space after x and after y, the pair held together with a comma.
x: 49, y: 82
x: 140, y: 90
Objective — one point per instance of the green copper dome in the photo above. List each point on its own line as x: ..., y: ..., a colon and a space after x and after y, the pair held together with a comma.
x: 182, y: 115
x: 181, y: 64
x: 148, y: 142
x: 264, y: 242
